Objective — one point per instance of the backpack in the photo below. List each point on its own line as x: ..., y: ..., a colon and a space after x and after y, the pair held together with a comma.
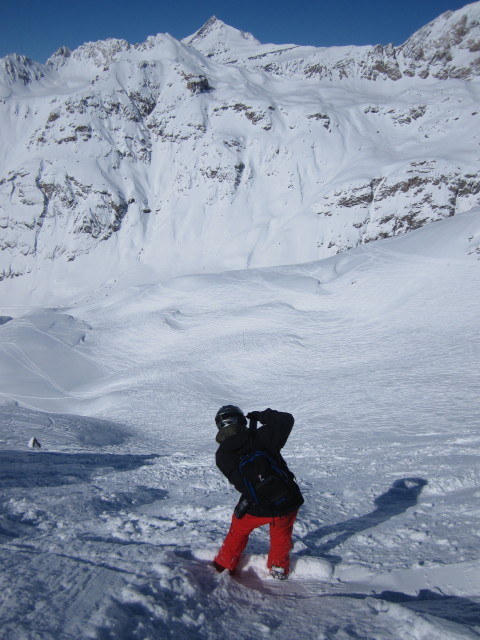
x: 268, y: 482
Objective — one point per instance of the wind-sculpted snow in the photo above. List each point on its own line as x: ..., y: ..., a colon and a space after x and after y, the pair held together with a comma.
x: 54, y: 430
x: 108, y: 529
x: 219, y: 152
x: 45, y: 363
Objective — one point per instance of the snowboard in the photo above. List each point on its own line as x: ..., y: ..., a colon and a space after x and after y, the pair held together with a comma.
x: 308, y: 576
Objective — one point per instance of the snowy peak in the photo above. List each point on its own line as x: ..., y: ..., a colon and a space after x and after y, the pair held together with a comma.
x: 219, y: 152
x: 218, y: 40
x: 102, y: 52
x: 446, y: 47
x: 453, y: 28
x: 20, y: 70
x: 59, y: 58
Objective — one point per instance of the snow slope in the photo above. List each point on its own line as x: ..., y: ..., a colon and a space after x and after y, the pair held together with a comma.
x: 107, y: 531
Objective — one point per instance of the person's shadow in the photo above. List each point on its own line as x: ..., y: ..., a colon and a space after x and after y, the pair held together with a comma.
x: 402, y: 495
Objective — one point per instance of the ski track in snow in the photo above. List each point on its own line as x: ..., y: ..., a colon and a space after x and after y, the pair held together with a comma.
x: 108, y: 530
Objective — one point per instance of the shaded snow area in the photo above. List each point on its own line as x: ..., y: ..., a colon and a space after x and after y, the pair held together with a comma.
x: 108, y: 529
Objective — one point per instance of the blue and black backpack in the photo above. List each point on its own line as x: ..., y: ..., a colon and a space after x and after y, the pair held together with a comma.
x: 268, y: 481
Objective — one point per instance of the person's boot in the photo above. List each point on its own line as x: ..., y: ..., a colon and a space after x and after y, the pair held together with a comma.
x: 220, y: 568
x: 278, y: 573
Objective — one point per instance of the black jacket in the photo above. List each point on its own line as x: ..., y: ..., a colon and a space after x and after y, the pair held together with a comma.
x: 271, y: 437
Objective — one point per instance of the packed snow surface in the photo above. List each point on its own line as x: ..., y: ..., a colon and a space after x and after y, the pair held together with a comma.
x: 108, y: 529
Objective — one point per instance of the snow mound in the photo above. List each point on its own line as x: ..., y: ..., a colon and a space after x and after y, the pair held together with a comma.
x: 55, y: 431
x: 45, y: 363
x: 451, y: 238
x: 463, y: 578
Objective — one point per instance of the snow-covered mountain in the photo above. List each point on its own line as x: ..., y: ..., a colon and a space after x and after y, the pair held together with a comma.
x: 219, y: 152
x: 123, y: 166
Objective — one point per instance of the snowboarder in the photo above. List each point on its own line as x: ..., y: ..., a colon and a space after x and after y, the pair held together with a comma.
x: 251, y: 461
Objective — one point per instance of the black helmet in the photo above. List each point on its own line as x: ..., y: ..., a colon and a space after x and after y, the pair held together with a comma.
x: 229, y: 415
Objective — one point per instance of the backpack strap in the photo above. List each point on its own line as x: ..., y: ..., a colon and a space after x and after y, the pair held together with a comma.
x: 252, y: 428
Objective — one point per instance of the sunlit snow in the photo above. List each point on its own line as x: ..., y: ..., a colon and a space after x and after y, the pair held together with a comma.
x: 189, y: 224
x: 107, y: 531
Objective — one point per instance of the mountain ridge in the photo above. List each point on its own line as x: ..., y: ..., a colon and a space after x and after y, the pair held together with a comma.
x: 167, y: 156
x: 215, y: 38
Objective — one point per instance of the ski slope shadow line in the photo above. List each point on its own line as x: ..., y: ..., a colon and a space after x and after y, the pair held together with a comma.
x: 402, y: 495
x: 458, y: 609
x: 20, y: 469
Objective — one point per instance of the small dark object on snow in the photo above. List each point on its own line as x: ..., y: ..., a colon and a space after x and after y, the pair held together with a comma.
x: 34, y: 444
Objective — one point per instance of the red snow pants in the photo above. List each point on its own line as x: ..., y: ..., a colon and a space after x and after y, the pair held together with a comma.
x: 281, y: 528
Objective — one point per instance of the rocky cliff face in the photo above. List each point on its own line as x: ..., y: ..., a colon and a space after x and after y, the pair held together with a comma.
x: 219, y: 152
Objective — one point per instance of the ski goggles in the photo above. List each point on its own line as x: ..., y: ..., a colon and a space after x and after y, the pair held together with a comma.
x: 227, y: 419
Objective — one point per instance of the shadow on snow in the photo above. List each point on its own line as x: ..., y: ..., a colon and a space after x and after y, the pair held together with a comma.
x: 402, y: 495
x: 20, y: 469
x: 460, y: 610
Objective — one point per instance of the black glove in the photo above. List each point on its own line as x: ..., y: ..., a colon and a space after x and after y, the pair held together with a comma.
x: 260, y: 416
x: 242, y: 507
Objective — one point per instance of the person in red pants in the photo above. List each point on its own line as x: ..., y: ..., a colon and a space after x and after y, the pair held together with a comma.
x: 250, y: 458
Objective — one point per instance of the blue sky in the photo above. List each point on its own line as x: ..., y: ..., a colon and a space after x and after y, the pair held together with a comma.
x: 37, y: 28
